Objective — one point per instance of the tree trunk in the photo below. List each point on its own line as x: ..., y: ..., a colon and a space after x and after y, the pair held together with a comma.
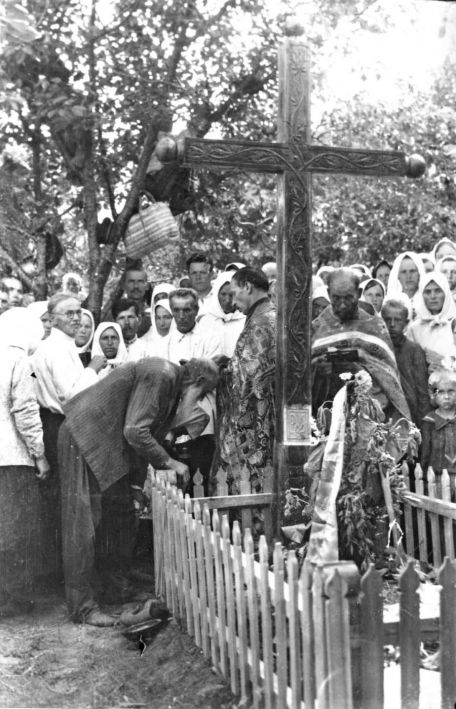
x: 41, y: 281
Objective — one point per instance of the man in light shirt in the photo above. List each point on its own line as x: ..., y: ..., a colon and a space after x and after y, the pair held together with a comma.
x: 189, y: 340
x: 59, y: 375
x: 199, y: 267
x: 126, y: 314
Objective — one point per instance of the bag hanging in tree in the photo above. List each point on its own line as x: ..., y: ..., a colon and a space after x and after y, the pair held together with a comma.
x: 152, y: 228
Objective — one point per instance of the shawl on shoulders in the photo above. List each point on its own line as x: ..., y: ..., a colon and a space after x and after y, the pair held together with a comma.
x: 369, y: 335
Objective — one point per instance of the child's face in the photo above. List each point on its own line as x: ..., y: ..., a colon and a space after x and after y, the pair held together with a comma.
x: 395, y: 320
x: 444, y: 394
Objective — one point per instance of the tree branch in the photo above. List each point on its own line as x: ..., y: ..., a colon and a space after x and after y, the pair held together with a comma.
x: 120, y: 225
x: 17, y: 268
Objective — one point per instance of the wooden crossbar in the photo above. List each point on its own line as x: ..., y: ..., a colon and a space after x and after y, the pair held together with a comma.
x: 226, y: 502
x: 429, y: 504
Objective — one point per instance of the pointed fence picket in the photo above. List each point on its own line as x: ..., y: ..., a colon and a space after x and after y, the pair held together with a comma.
x: 308, y: 639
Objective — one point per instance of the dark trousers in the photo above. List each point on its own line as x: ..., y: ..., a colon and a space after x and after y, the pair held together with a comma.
x: 201, y: 456
x: 50, y: 495
x: 21, y: 533
x: 97, y: 529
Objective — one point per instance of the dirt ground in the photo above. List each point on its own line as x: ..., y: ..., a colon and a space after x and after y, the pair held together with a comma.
x: 47, y: 661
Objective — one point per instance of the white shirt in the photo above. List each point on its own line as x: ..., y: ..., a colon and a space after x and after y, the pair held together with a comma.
x: 59, y: 371
x: 227, y: 329
x: 136, y: 350
x: 203, y: 345
x: 203, y: 302
x: 199, y: 343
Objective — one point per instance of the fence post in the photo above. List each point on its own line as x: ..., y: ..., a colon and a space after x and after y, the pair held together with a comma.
x: 179, y: 573
x: 228, y: 580
x: 280, y: 623
x: 321, y: 655
x: 409, y: 636
x: 307, y: 634
x: 253, y: 611
x: 241, y: 616
x: 421, y: 516
x: 447, y: 523
x: 447, y: 579
x: 189, y: 524
x: 209, y: 555
x: 408, y: 514
x: 293, y: 619
x: 167, y: 554
x: 338, y: 642
x: 221, y: 605
x: 434, y: 519
x: 185, y: 563
x: 371, y: 635
x: 266, y: 625
x: 201, y: 574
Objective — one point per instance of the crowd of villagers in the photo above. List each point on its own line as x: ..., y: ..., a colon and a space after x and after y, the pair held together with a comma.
x: 180, y: 377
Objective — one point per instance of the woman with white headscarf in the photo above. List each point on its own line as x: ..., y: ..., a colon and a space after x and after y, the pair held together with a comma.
x: 84, y: 336
x: 406, y: 275
x: 108, y: 342
x: 435, y: 309
x: 444, y: 247
x: 373, y: 292
x: 22, y: 463
x: 157, y: 339
x: 39, y: 308
x: 221, y: 317
x: 72, y: 283
x: 447, y: 266
x: 160, y: 292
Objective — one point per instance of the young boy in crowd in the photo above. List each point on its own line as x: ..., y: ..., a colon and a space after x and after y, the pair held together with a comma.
x: 410, y: 358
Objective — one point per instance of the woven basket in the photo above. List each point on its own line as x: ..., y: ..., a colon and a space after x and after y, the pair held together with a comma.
x: 152, y: 228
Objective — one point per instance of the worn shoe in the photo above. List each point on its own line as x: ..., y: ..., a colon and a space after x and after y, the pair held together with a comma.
x: 151, y: 609
x: 99, y: 619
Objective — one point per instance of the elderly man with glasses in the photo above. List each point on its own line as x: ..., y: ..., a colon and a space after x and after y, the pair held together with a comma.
x: 59, y: 375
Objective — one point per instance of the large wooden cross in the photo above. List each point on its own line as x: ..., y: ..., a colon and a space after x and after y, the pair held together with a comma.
x: 294, y: 160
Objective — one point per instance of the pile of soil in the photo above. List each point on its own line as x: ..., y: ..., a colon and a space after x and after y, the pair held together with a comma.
x: 48, y: 661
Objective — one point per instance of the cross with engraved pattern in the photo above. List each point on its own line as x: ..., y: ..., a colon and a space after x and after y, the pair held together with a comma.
x: 293, y: 159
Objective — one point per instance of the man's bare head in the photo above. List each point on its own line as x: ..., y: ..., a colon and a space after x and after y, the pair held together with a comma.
x: 344, y: 293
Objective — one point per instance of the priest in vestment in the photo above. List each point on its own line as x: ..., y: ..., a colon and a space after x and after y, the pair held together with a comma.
x: 246, y: 431
x: 346, y: 338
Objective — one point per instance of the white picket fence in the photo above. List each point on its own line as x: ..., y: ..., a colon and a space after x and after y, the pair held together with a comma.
x: 429, y: 516
x: 308, y: 640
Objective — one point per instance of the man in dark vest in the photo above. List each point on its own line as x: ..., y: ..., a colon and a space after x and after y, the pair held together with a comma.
x: 126, y: 414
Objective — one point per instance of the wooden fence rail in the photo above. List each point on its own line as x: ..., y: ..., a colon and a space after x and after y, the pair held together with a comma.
x: 309, y: 638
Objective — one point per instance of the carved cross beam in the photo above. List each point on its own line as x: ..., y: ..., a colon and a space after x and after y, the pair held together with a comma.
x: 297, y: 158
x: 294, y: 160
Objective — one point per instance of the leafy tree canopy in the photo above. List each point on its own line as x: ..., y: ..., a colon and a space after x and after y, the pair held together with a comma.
x: 87, y: 93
